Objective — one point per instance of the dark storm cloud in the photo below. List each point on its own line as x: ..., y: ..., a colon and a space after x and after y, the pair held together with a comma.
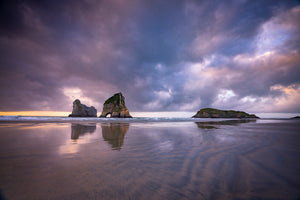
x: 163, y: 55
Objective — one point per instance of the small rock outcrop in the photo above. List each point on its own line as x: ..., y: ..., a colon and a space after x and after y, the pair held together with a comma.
x: 81, y: 110
x: 115, y: 107
x: 215, y: 113
x: 297, y: 117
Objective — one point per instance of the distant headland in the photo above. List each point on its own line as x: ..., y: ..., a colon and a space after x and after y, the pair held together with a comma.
x: 215, y: 113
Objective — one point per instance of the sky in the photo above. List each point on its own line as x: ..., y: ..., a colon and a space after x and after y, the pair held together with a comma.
x: 163, y: 55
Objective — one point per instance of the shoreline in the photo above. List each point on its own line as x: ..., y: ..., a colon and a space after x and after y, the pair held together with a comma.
x: 45, y: 119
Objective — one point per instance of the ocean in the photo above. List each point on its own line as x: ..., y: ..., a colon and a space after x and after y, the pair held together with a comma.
x: 149, y: 158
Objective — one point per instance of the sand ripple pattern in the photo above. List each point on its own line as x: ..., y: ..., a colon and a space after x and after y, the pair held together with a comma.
x: 184, y: 160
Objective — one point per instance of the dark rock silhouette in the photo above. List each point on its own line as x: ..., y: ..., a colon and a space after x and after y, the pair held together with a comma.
x: 115, y: 107
x: 81, y: 129
x: 297, y: 117
x: 215, y: 113
x: 114, y: 134
x: 81, y: 110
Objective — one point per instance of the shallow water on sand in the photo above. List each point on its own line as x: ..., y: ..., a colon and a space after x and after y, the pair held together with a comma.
x: 153, y: 160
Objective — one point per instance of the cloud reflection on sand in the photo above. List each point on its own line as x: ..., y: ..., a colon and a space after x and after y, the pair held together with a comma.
x: 171, y: 161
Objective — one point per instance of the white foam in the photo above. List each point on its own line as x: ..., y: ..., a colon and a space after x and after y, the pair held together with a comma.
x: 97, y: 119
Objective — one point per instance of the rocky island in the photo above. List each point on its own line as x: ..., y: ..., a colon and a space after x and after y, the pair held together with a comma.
x: 215, y: 113
x: 115, y: 107
x: 81, y: 110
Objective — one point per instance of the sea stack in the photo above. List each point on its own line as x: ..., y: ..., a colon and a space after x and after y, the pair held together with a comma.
x: 81, y: 110
x: 215, y: 113
x: 115, y: 107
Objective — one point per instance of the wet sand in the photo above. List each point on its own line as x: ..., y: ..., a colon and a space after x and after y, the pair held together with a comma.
x: 166, y: 160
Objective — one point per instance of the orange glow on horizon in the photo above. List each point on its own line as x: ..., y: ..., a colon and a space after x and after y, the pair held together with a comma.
x: 36, y: 113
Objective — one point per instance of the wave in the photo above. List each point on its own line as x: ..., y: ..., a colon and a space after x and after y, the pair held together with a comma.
x: 17, y: 118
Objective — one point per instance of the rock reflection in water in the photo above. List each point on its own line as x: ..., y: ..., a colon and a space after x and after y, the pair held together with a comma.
x: 215, y: 124
x: 81, y: 129
x: 114, y: 134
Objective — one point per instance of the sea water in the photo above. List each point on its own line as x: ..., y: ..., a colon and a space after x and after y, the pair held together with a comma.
x: 155, y: 158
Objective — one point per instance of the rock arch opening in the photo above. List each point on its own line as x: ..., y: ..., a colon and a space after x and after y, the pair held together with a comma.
x: 108, y: 115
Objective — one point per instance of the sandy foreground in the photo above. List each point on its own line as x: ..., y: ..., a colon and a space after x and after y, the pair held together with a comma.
x: 166, y: 160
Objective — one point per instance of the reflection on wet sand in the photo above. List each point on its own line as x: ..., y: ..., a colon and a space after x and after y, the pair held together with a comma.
x: 81, y: 129
x: 114, y: 134
x: 157, y: 161
x: 215, y: 124
x: 77, y: 130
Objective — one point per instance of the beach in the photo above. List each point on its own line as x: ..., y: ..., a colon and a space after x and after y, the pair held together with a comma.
x: 144, y: 159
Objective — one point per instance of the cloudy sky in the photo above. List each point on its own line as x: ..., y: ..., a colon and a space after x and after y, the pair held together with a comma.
x: 163, y: 55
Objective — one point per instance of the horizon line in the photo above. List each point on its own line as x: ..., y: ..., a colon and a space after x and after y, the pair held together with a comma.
x: 141, y: 114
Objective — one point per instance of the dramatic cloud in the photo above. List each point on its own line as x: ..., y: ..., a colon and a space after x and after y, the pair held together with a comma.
x: 162, y: 55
